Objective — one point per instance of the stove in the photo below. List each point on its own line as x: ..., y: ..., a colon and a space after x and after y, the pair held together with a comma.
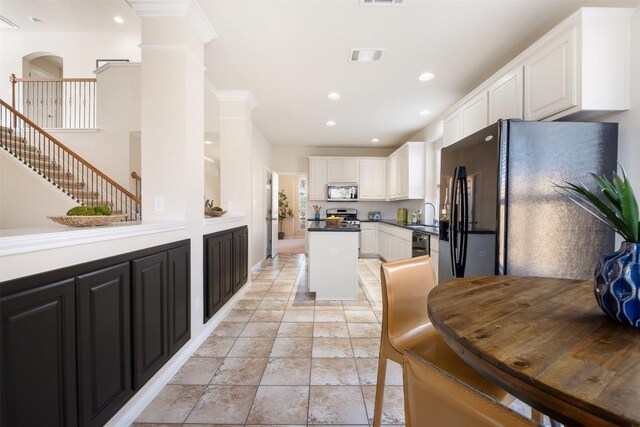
x: 349, y: 216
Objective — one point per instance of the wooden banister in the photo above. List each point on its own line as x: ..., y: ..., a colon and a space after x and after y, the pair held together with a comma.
x: 69, y: 151
x: 135, y: 176
x: 50, y: 79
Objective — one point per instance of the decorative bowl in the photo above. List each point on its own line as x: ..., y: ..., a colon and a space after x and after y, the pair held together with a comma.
x: 87, y: 220
x: 214, y: 213
x: 330, y: 221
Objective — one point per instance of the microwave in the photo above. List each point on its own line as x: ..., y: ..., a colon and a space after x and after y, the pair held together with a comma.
x: 342, y: 192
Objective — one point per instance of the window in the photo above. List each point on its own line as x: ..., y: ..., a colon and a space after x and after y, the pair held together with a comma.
x: 302, y: 208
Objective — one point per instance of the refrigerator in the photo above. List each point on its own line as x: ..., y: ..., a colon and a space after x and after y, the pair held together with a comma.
x: 500, y: 211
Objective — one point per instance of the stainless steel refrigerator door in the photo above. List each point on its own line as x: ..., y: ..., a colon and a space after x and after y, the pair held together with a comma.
x: 480, y: 257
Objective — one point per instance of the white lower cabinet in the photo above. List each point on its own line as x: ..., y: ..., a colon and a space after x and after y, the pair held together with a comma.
x: 394, y: 243
x: 368, y: 238
x: 435, y: 254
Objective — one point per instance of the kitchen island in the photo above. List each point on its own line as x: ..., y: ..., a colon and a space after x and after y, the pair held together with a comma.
x: 333, y: 260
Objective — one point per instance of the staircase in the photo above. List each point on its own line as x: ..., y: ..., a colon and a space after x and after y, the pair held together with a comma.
x: 60, y: 166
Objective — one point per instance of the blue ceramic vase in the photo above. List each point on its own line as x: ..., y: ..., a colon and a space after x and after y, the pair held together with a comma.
x: 617, y: 280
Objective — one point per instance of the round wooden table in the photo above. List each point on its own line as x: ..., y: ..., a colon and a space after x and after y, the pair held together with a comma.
x: 547, y: 342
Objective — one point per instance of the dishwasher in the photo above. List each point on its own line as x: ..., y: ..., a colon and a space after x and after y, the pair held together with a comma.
x: 420, y: 244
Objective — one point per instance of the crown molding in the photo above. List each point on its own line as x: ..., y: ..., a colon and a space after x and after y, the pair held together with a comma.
x: 187, y: 8
x: 237, y: 95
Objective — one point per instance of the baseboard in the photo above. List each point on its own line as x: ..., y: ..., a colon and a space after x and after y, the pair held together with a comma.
x: 127, y: 415
x: 258, y: 265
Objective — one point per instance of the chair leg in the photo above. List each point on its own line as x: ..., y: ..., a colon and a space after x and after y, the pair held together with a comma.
x: 382, y: 374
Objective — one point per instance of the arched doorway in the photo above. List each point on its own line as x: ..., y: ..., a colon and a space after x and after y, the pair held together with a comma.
x: 41, y: 99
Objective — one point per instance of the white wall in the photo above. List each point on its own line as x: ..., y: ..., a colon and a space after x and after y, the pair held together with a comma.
x: 79, y: 51
x: 28, y: 204
x: 261, y: 160
x: 287, y: 159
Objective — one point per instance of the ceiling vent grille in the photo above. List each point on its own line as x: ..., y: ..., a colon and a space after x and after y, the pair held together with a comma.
x: 365, y: 55
x: 381, y: 2
x: 5, y: 23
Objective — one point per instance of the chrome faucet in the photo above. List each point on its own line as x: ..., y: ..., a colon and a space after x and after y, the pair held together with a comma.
x: 435, y: 220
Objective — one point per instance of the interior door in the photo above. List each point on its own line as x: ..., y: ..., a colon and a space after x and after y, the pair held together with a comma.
x: 269, y: 212
x: 274, y: 210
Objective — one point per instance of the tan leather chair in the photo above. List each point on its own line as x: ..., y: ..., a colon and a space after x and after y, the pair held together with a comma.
x: 405, y: 325
x: 434, y: 398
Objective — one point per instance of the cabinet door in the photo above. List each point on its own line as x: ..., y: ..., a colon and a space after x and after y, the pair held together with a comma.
x: 104, y: 343
x: 366, y: 180
x: 402, y: 173
x: 392, y: 178
x: 550, y: 77
x: 451, y: 129
x: 214, y: 265
x: 38, y: 362
x: 379, y: 179
x: 403, y: 249
x: 240, y: 253
x: 150, y: 316
x: 368, y: 244
x: 179, y: 289
x: 474, y: 115
x: 334, y: 170
x: 350, y: 170
x: 317, y: 179
x: 227, y: 267
x: 505, y: 97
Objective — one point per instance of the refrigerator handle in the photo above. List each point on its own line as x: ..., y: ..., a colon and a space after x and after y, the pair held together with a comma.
x: 464, y: 223
x: 453, y: 221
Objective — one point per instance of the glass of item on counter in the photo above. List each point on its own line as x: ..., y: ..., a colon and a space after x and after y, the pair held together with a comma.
x: 317, y: 208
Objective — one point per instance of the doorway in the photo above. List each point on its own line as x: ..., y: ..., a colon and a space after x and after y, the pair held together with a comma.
x: 41, y: 98
x: 294, y: 227
x: 269, y: 214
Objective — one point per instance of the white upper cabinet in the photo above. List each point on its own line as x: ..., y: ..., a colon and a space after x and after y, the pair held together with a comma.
x: 551, y: 76
x: 343, y: 170
x: 581, y: 68
x: 451, y: 128
x: 372, y: 179
x: 406, y: 172
x: 474, y: 114
x: 317, y: 179
x: 505, y: 97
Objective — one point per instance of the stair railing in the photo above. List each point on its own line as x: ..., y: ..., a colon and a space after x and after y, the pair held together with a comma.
x: 61, y: 166
x: 55, y: 103
x: 138, y: 180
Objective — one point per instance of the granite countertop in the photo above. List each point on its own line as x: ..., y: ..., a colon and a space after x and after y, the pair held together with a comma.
x: 422, y: 228
x: 323, y: 226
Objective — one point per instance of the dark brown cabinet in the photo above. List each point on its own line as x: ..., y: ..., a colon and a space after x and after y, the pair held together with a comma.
x: 38, y: 366
x: 150, y: 316
x: 104, y: 343
x: 77, y: 342
x: 225, y: 267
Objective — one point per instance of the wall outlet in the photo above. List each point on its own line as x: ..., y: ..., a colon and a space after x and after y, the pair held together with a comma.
x: 158, y: 204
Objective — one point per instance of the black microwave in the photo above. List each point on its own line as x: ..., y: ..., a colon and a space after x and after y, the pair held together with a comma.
x: 342, y: 192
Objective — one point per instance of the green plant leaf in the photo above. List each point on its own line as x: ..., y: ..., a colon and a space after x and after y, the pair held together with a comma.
x: 629, y: 207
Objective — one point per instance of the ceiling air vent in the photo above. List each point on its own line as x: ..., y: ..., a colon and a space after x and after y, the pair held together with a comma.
x: 365, y: 55
x: 5, y: 23
x: 381, y: 2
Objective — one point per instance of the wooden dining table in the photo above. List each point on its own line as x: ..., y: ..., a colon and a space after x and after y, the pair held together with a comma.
x: 545, y: 341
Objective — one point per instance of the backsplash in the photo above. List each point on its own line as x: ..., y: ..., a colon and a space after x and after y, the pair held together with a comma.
x: 388, y: 210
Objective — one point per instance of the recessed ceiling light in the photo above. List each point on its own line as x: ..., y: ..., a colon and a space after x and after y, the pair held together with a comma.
x: 331, y: 123
x: 375, y: 140
x: 208, y: 142
x: 333, y: 96
x: 35, y: 20
x: 425, y: 112
x: 425, y: 77
x: 118, y: 19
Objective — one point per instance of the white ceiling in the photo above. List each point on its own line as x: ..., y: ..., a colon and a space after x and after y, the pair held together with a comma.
x: 292, y: 53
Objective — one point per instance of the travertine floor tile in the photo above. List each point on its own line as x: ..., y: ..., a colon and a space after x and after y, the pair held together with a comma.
x: 393, y: 406
x: 325, y: 314
x: 272, y: 305
x: 287, y: 371
x: 172, y: 404
x: 298, y: 314
x: 368, y: 371
x: 295, y: 330
x: 197, y: 370
x: 215, y: 347
x: 364, y: 330
x: 260, y: 330
x: 336, y: 405
x: 280, y: 405
x: 248, y: 304
x: 283, y: 296
x: 291, y: 347
x: 223, y: 405
x: 228, y: 329
x: 238, y: 315
x: 251, y: 347
x: 334, y: 371
x: 330, y: 330
x: 366, y: 347
x: 332, y: 347
x: 240, y: 371
x: 360, y: 316
x: 267, y: 316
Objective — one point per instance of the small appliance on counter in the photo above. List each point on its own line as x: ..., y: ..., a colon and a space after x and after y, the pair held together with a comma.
x: 402, y: 215
x: 374, y: 216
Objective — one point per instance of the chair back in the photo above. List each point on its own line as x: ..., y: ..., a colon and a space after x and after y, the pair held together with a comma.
x: 434, y: 398
x: 405, y: 287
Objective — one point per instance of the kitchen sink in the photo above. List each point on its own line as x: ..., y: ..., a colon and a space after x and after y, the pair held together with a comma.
x: 429, y: 228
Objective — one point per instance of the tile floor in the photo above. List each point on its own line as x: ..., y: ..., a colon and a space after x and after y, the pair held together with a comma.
x: 282, y: 358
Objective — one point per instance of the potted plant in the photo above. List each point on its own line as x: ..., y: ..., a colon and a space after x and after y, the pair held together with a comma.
x: 617, y: 275
x: 284, y: 211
